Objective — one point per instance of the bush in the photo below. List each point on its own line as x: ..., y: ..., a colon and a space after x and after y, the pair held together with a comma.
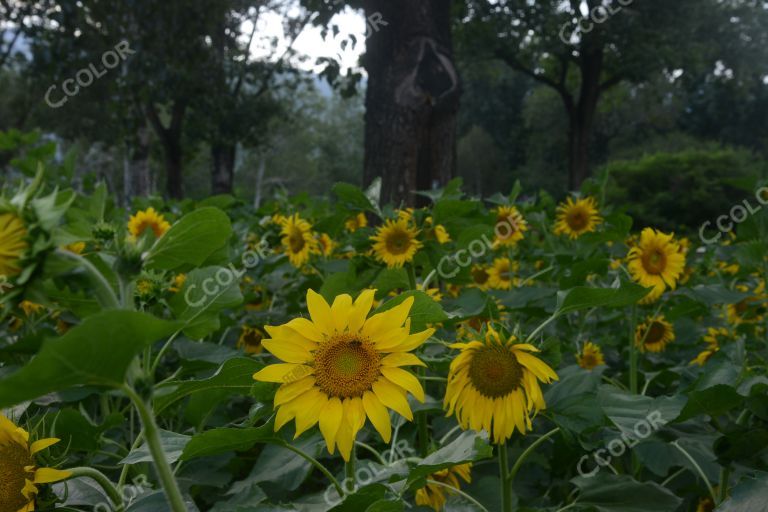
x: 681, y: 190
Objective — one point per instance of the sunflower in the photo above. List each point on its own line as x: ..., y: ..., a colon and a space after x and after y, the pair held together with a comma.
x: 18, y: 470
x: 147, y: 219
x: 750, y: 310
x: 405, y: 214
x: 654, y: 334
x: 356, y: 222
x: 342, y: 366
x: 438, y: 486
x: 575, y: 218
x: 510, y: 226
x: 714, y: 338
x: 438, y: 231
x: 327, y: 245
x: 434, y: 294
x: 590, y: 356
x: 298, y: 241
x: 395, y: 243
x: 12, y: 243
x: 494, y: 385
x: 500, y: 274
x: 480, y: 277
x: 656, y: 262
x: 178, y: 283
x: 250, y: 340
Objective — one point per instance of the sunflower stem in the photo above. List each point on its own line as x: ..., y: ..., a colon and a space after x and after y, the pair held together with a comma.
x: 506, y: 484
x: 411, y: 276
x: 349, y: 472
x: 152, y: 434
x: 318, y: 465
x: 698, y: 470
x: 104, y: 483
x: 520, y: 460
x: 632, y: 352
x: 103, y: 292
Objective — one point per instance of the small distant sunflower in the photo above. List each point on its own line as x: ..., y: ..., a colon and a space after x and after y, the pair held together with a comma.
x: 493, y: 385
x: 510, y: 226
x: 327, y: 245
x: 654, y: 334
x: 656, y: 262
x: 75, y: 247
x: 343, y: 366
x: 148, y: 219
x: 250, y: 340
x: 480, y: 277
x: 434, y: 494
x: 575, y: 218
x: 298, y: 240
x: 728, y: 268
x: 356, y: 222
x: 750, y: 310
x: 19, y: 470
x: 178, y: 283
x: 438, y: 231
x: 590, y: 357
x: 405, y: 214
x: 13, y: 243
x: 500, y: 274
x: 396, y: 243
x: 714, y: 338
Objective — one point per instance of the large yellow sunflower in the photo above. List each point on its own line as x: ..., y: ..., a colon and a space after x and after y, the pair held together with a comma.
x: 439, y: 486
x: 298, y: 240
x: 12, y: 243
x: 148, y: 219
x: 18, y: 471
x: 654, y: 334
x: 396, y: 243
x: 500, y: 274
x: 341, y: 367
x: 590, y: 357
x: 493, y: 385
x: 510, y: 226
x: 656, y: 262
x: 575, y: 218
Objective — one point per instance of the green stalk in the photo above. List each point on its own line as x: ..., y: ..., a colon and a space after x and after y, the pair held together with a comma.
x: 103, y: 482
x: 318, y: 465
x: 411, y: 276
x: 103, y: 290
x: 152, y: 434
x: 349, y: 472
x: 506, y: 485
x: 698, y: 470
x: 632, y: 352
x: 520, y: 460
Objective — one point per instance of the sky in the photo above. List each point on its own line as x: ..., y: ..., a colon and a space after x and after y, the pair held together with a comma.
x: 311, y: 43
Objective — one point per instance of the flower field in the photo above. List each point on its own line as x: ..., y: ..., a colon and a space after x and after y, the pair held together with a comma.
x: 513, y: 354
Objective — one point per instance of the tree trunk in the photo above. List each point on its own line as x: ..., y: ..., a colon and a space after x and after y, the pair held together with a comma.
x: 170, y: 138
x: 412, y: 98
x: 138, y: 182
x: 174, y: 170
x: 223, y: 168
x: 582, y: 116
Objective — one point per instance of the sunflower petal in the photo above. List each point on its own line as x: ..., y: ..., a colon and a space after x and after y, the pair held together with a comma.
x: 378, y: 415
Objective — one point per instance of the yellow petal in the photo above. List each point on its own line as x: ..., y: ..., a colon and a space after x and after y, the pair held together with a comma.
x: 330, y: 420
x: 305, y: 328
x: 288, y: 392
x: 42, y: 444
x: 287, y: 351
x: 413, y: 341
x: 393, y: 397
x: 50, y: 475
x: 340, y: 311
x: 401, y: 359
x: 308, y: 407
x: 388, y: 320
x: 405, y: 380
x: 282, y: 372
x: 360, y: 310
x: 378, y: 415
x: 320, y: 312
x: 292, y: 332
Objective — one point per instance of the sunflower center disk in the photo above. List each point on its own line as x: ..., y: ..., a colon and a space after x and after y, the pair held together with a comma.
x: 577, y: 220
x: 495, y: 372
x: 654, y: 261
x: 655, y: 333
x: 296, y: 241
x: 13, y: 459
x: 346, y: 367
x: 480, y: 276
x: 398, y: 242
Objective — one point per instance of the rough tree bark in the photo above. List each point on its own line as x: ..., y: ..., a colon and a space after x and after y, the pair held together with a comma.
x: 412, y: 98
x: 137, y: 181
x: 223, y: 171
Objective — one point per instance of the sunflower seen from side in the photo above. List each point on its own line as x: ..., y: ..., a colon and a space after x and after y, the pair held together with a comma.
x: 298, y: 241
x: 656, y: 262
x: 13, y: 243
x: 590, y: 357
x: 576, y: 218
x: 654, y: 334
x: 148, y: 219
x: 354, y: 223
x: 510, y: 226
x: 714, y: 338
x: 493, y: 385
x: 395, y: 243
x: 440, y: 484
x: 500, y: 275
x: 342, y: 366
x: 19, y: 474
